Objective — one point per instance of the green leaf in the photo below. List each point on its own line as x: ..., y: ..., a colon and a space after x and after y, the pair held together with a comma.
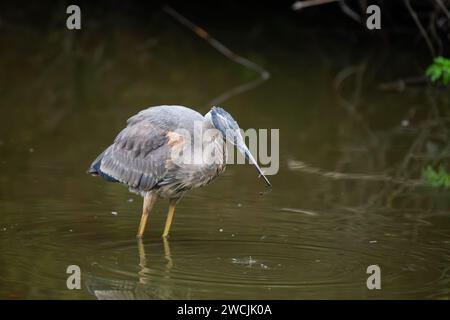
x: 439, y: 178
x: 439, y: 70
x: 446, y: 78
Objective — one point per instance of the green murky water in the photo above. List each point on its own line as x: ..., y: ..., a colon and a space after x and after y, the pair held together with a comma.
x: 64, y: 96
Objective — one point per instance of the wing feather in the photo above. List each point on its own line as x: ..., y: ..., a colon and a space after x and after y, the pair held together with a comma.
x: 137, y: 156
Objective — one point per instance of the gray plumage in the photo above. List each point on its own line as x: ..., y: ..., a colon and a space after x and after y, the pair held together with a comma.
x: 156, y: 155
x: 140, y: 154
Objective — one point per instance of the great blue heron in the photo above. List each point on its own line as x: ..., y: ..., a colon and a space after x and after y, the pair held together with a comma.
x: 154, y: 154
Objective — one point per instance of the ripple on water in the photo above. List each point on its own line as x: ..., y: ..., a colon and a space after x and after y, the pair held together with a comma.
x: 283, y: 263
x: 227, y: 269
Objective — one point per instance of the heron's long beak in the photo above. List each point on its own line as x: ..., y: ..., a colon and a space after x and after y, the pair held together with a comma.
x: 249, y: 156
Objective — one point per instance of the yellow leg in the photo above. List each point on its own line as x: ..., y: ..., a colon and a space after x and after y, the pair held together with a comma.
x: 149, y: 201
x: 167, y: 254
x: 172, y: 204
x: 141, y: 251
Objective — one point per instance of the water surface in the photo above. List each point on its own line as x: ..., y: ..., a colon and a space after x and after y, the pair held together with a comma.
x: 64, y: 96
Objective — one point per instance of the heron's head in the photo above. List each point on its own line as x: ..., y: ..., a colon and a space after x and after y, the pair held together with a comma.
x: 230, y: 131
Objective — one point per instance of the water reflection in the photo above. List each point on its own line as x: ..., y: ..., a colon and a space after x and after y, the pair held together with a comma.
x: 312, y: 237
x: 143, y: 288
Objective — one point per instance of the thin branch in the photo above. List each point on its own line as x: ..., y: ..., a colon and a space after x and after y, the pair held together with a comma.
x: 402, y: 84
x: 303, y: 167
x: 263, y: 74
x: 349, y: 11
x: 443, y: 8
x: 432, y: 27
x: 420, y: 26
x: 298, y: 5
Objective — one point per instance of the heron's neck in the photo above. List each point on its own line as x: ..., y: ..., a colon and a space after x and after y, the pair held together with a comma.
x: 214, y: 136
x: 212, y: 132
x: 207, y: 122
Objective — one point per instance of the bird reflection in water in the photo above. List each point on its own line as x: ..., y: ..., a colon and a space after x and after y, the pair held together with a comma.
x: 147, y: 287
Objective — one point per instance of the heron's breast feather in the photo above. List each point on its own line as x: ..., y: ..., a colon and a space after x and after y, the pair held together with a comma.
x: 174, y: 138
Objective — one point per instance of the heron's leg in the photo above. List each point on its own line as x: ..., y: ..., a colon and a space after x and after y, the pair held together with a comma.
x: 167, y: 254
x: 172, y: 204
x: 149, y: 201
x: 142, y: 262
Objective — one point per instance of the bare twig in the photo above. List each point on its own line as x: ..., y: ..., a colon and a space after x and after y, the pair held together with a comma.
x: 443, y: 8
x: 432, y: 27
x: 402, y: 84
x: 298, y: 5
x: 303, y: 167
x: 344, y: 75
x: 349, y: 11
x: 420, y: 26
x: 263, y: 74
